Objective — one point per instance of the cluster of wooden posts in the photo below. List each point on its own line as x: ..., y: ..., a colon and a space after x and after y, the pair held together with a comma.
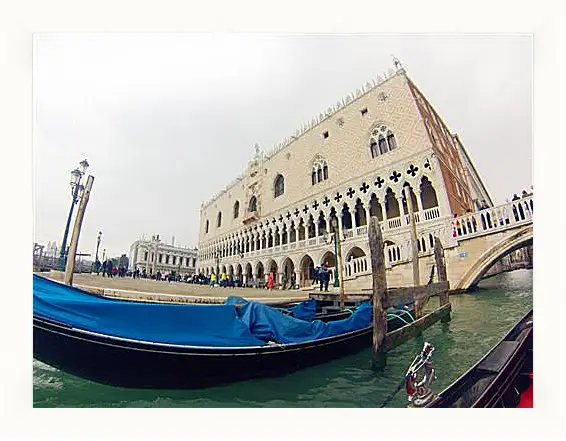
x: 418, y: 295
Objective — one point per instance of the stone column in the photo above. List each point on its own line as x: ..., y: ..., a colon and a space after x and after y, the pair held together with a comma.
x: 441, y: 194
x: 339, y: 216
x: 419, y: 202
x: 298, y: 280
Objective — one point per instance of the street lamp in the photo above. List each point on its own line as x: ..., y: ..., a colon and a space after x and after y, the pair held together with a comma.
x: 338, y: 261
x: 334, y: 222
x: 76, y: 189
x: 98, y: 245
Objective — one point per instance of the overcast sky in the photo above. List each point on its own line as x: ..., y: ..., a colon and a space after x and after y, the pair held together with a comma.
x: 166, y: 121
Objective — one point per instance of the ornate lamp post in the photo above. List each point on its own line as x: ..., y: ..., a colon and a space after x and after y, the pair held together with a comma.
x: 76, y: 187
x: 336, y: 239
x: 338, y: 261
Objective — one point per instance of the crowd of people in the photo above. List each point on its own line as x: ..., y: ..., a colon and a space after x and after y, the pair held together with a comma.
x: 321, y: 276
x: 108, y: 269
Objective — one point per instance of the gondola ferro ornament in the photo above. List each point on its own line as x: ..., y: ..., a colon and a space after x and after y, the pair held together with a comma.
x: 419, y: 377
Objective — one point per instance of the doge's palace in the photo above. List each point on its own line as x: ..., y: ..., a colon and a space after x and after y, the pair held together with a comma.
x: 347, y: 164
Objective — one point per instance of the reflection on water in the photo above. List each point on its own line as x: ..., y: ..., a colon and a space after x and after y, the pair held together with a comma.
x: 479, y: 320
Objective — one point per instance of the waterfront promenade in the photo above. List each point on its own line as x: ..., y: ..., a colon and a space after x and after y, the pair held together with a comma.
x: 126, y: 287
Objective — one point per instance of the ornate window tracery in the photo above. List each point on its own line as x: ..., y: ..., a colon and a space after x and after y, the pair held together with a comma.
x: 319, y: 171
x: 382, y: 140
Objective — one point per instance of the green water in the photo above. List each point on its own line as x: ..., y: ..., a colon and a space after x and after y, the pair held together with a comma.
x: 479, y: 320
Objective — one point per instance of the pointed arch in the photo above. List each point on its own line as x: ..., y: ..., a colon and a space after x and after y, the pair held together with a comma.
x: 307, y: 270
x: 391, y: 205
x: 375, y: 208
x: 354, y: 253
x: 428, y: 194
x: 391, y: 142
x: 253, y: 204
x: 382, y: 145
x: 236, y: 209
x: 346, y: 217
x: 321, y: 223
x: 360, y: 213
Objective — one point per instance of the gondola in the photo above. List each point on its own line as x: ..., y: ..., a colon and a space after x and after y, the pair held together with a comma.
x: 502, y: 378
x: 166, y: 346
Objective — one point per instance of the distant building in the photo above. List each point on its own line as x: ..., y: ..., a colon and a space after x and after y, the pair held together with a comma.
x: 154, y: 255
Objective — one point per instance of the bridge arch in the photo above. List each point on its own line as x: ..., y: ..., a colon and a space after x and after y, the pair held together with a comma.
x: 511, y: 243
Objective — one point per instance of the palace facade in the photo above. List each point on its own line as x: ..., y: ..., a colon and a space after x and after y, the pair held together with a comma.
x: 154, y: 255
x: 347, y: 164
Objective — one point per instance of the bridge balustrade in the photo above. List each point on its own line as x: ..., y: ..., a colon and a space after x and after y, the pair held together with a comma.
x: 494, y: 218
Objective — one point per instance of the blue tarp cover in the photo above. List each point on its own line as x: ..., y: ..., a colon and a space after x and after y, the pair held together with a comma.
x: 305, y: 310
x: 251, y: 324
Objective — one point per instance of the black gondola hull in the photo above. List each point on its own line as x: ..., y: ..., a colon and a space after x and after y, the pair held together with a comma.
x: 499, y: 377
x: 135, y: 364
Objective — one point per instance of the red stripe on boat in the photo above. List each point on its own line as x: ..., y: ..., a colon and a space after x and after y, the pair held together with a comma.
x: 526, y: 400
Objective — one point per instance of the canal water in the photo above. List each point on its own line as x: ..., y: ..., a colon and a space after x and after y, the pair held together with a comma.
x: 479, y: 320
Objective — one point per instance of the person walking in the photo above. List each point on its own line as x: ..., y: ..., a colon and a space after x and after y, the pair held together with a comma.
x: 104, y: 268
x: 270, y: 281
x: 324, y: 277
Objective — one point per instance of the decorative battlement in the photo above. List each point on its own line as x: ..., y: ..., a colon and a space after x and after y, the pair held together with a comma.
x: 330, y: 111
x: 317, y: 120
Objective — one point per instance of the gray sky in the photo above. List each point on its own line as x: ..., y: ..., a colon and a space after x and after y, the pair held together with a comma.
x: 168, y: 120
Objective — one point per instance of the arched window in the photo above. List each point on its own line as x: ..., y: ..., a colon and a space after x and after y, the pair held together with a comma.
x: 382, y: 140
x: 382, y: 145
x: 253, y: 204
x: 391, y: 141
x: 319, y: 170
x: 391, y: 205
x: 219, y: 219
x: 207, y: 224
x: 236, y: 209
x: 428, y: 194
x: 279, y: 185
x: 373, y: 148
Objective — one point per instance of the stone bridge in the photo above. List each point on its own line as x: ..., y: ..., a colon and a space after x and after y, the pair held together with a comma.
x: 472, y: 244
x: 485, y: 237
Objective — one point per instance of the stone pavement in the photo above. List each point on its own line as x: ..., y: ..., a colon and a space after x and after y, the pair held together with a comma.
x: 152, y: 290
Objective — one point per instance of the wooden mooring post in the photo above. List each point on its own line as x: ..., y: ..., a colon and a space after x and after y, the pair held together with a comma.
x: 442, y: 277
x: 379, y: 285
x: 384, y: 298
